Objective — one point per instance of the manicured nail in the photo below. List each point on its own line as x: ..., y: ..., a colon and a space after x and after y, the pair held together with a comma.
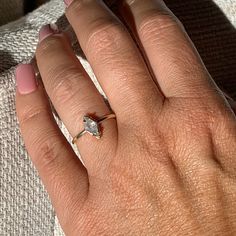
x: 68, y: 2
x: 25, y: 79
x: 47, y: 30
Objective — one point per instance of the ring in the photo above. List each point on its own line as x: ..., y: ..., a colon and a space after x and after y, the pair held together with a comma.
x: 92, y: 126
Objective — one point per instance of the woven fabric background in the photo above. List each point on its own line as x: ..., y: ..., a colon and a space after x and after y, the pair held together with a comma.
x: 25, y: 208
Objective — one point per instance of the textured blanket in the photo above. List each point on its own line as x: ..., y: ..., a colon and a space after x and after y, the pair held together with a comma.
x: 25, y: 208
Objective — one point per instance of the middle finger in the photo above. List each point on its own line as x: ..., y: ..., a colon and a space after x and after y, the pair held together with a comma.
x: 114, y: 57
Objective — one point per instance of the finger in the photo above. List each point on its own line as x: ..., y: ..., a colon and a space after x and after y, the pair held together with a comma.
x: 73, y: 95
x: 62, y: 173
x: 114, y: 57
x: 171, y: 54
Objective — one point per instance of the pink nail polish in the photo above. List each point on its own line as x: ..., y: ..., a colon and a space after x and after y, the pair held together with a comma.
x: 47, y: 30
x: 25, y: 79
x: 68, y: 2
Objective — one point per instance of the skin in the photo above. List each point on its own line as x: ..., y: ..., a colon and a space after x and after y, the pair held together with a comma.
x: 167, y: 164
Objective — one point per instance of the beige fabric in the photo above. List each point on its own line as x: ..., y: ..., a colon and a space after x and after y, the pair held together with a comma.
x: 24, y: 205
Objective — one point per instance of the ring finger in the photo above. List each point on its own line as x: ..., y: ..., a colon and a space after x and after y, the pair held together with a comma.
x: 73, y: 94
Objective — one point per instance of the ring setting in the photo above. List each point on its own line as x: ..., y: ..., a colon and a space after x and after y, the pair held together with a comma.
x: 92, y: 126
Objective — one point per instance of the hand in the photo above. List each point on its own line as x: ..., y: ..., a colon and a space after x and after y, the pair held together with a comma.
x: 167, y: 164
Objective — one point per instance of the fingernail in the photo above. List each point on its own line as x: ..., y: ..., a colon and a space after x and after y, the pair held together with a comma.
x: 25, y: 79
x: 47, y: 30
x: 68, y: 2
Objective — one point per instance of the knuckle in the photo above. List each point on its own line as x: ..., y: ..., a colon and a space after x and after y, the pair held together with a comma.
x: 65, y: 84
x: 76, y: 7
x: 104, y: 34
x: 49, y: 46
x: 30, y: 114
x: 47, y: 151
x: 157, y: 23
x: 45, y: 147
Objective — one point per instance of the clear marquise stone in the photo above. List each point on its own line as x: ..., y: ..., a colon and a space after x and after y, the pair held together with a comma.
x: 91, y: 126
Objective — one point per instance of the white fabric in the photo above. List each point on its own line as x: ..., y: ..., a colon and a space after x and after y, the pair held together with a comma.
x: 25, y: 208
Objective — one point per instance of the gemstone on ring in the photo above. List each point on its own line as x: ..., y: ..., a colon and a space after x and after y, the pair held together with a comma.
x: 92, y: 126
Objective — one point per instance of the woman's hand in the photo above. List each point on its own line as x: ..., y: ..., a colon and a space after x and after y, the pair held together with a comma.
x: 167, y: 164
